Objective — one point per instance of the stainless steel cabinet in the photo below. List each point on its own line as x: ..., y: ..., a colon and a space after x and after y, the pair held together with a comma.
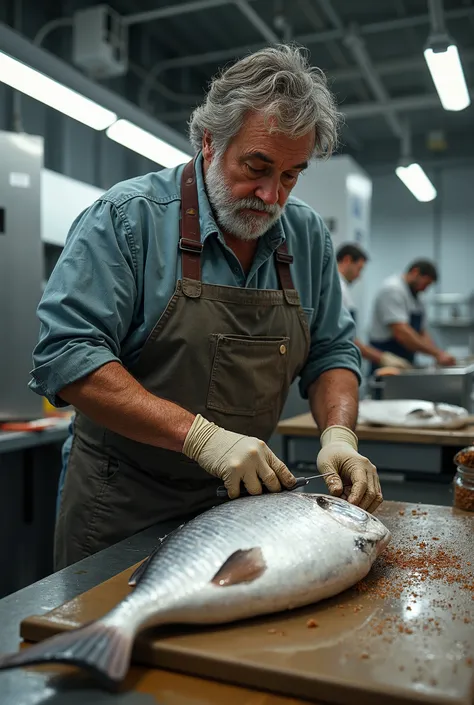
x: 21, y: 271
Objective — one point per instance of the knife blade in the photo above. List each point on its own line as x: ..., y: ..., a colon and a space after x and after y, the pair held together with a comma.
x: 300, y: 482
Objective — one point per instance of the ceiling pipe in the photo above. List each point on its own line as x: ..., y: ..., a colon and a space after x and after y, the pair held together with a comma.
x: 308, y: 38
x: 356, y: 111
x: 173, y: 11
x: 255, y: 20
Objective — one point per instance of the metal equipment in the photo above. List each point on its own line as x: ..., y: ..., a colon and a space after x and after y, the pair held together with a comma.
x: 21, y: 272
x: 100, y: 42
x: 449, y: 385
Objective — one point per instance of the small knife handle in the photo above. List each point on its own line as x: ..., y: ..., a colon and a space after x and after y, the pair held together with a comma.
x: 300, y: 482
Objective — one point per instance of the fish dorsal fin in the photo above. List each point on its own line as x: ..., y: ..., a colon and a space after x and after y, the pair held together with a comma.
x: 139, y: 571
x: 243, y: 566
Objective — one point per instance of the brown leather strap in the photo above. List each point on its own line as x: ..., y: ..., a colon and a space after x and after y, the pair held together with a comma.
x: 190, y: 236
x: 282, y: 263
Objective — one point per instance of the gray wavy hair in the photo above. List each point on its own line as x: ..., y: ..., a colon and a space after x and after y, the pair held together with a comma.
x: 279, y: 82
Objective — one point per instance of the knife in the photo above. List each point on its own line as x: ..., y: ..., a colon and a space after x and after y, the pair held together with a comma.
x: 300, y: 482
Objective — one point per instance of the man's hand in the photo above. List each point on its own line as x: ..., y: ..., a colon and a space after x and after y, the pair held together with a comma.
x: 388, y: 359
x: 445, y: 359
x: 234, y: 458
x: 353, y: 477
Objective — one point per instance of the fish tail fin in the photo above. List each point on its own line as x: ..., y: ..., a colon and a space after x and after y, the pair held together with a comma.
x: 101, y: 648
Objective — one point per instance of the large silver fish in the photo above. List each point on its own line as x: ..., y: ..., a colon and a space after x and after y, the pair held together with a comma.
x: 244, y: 558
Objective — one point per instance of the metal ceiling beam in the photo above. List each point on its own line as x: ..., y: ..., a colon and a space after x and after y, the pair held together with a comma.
x: 339, y: 58
x: 309, y: 38
x: 181, y: 8
x: 22, y: 49
x: 393, y: 66
x: 255, y: 20
x: 248, y: 12
x: 358, y: 49
x: 361, y: 55
x: 355, y: 111
x: 405, y: 104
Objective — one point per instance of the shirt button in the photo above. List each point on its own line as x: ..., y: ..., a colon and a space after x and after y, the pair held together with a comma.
x: 283, y: 349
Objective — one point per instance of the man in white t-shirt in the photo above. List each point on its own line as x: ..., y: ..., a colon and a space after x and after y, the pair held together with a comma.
x: 399, y: 317
x: 351, y: 260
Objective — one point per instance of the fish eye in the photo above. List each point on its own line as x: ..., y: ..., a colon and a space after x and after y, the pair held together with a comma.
x: 342, y: 509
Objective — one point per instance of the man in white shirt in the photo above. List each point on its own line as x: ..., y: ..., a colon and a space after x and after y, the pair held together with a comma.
x: 351, y: 260
x: 399, y: 317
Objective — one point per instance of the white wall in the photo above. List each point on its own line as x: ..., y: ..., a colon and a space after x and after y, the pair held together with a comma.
x: 404, y: 229
x: 62, y: 200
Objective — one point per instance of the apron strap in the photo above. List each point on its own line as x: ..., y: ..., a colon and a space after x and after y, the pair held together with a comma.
x: 190, y: 233
x: 282, y: 262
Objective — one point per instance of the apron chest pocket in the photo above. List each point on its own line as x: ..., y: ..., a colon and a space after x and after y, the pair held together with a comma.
x: 248, y: 373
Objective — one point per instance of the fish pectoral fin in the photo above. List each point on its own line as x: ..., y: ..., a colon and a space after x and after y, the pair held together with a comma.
x: 243, y: 566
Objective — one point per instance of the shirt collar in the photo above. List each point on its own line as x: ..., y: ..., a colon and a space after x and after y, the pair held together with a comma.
x: 273, y: 238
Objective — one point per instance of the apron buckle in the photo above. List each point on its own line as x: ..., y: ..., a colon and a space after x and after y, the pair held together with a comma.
x: 284, y: 257
x: 187, y: 245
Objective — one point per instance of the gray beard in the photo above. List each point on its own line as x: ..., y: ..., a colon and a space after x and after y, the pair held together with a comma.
x: 229, y: 212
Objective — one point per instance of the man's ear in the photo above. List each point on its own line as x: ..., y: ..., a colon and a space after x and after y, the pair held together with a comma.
x: 207, y: 146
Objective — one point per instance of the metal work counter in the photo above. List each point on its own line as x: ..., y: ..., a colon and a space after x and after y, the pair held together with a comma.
x: 13, y: 441
x: 424, y: 451
x: 30, y: 463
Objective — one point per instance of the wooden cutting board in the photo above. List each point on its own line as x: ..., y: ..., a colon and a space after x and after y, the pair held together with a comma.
x: 403, y: 636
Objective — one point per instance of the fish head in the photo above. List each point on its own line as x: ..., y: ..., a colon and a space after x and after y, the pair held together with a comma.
x: 370, y: 535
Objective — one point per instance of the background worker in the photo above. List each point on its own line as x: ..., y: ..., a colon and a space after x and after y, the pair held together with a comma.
x: 351, y: 260
x: 399, y: 316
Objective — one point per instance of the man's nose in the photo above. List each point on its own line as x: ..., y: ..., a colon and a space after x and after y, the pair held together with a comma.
x: 268, y: 191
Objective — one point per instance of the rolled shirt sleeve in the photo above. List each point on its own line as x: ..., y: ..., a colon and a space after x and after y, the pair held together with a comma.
x: 88, y: 302
x: 332, y: 329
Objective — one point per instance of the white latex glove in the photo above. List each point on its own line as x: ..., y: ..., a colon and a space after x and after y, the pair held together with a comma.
x: 234, y: 458
x: 353, y: 476
x: 388, y: 359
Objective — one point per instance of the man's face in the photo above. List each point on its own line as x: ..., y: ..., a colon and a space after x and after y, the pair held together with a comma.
x: 422, y: 282
x: 419, y: 282
x: 353, y: 269
x: 250, y: 184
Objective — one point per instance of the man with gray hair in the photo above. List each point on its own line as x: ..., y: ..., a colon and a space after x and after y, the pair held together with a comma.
x: 184, y: 305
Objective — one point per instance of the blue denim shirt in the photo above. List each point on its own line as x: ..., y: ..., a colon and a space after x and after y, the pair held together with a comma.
x: 119, y: 268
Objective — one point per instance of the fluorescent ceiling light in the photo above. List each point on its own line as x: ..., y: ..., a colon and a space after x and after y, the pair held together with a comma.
x: 416, y: 181
x: 448, y: 76
x: 146, y: 144
x: 42, y: 88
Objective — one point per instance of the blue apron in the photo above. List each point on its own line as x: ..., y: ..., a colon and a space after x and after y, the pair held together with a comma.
x: 393, y: 346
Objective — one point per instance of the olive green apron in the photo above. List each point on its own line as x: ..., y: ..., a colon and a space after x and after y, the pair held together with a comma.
x: 228, y: 353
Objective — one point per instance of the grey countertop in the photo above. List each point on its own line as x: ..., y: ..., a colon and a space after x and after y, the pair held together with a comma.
x: 12, y: 441
x: 33, y: 687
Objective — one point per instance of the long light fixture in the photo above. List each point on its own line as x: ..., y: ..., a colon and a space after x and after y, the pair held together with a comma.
x: 146, y: 144
x: 448, y: 76
x: 416, y: 181
x: 40, y: 87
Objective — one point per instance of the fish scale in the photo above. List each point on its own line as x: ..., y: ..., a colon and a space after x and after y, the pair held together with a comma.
x: 248, y: 557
